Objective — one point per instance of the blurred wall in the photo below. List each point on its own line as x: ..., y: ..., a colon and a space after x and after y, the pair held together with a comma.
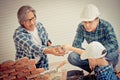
x: 59, y: 17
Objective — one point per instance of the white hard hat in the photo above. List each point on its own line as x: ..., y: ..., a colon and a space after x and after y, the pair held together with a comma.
x: 94, y: 50
x: 89, y: 13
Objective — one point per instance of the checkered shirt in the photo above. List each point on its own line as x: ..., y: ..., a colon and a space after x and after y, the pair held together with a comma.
x: 25, y: 47
x: 104, y: 34
x: 105, y: 73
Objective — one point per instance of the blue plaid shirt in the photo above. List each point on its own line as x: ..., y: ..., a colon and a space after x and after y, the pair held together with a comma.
x: 104, y: 34
x: 105, y: 73
x: 25, y: 47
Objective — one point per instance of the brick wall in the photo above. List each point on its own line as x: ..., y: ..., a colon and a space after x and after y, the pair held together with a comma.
x: 22, y: 69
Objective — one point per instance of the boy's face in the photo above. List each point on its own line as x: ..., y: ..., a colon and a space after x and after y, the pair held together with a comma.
x: 30, y: 21
x: 91, y: 26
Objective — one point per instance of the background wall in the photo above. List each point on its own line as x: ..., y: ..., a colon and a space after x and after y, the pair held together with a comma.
x: 59, y: 17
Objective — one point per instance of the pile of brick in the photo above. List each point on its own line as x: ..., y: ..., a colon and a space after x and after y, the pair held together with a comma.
x: 22, y: 69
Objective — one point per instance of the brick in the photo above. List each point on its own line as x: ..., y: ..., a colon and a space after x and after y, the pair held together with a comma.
x: 27, y: 74
x: 9, y: 71
x: 3, y: 69
x: 18, y: 66
x: 7, y: 63
x: 9, y: 78
x: 31, y: 67
x: 20, y: 74
x: 32, y: 61
x: 22, y: 60
x: 21, y: 67
x: 11, y: 67
x: 14, y: 73
x: 26, y: 70
x: 32, y: 76
x: 38, y: 70
x: 4, y: 75
x: 1, y: 73
x: 38, y: 79
x: 46, y: 77
x: 21, y: 64
x: 22, y: 78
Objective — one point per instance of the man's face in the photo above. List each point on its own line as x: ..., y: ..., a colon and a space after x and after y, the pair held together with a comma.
x: 91, y: 26
x: 30, y: 21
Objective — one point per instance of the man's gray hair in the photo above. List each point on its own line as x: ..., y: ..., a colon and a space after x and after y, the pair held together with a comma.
x: 23, y: 11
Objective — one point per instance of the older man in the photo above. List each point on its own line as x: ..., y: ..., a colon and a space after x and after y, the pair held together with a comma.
x: 31, y: 39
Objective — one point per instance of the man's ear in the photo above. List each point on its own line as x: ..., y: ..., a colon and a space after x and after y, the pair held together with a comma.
x: 22, y: 23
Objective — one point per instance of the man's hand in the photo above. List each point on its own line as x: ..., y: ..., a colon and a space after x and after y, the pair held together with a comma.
x: 66, y: 48
x: 58, y: 51
x: 55, y: 50
x: 92, y: 63
x: 102, y: 62
x: 97, y: 62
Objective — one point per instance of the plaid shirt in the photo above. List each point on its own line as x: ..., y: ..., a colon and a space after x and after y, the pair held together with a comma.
x: 25, y: 46
x: 104, y: 34
x: 105, y: 73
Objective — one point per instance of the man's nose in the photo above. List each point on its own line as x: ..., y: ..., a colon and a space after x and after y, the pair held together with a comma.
x: 87, y: 24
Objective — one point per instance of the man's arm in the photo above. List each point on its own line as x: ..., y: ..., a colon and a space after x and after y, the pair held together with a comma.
x: 110, y: 42
x: 74, y: 49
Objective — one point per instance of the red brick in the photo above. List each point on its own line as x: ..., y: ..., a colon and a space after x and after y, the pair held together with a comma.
x: 9, y: 71
x: 46, y: 77
x: 27, y: 74
x: 31, y: 67
x: 38, y: 70
x: 3, y: 75
x: 3, y: 69
x: 22, y: 60
x: 22, y: 78
x: 20, y: 74
x: 32, y: 76
x: 26, y: 70
x: 21, y: 67
x: 9, y: 78
x: 38, y: 79
x: 11, y: 67
x: 32, y: 61
x: 18, y: 66
x: 14, y: 73
x: 7, y: 63
x: 0, y: 65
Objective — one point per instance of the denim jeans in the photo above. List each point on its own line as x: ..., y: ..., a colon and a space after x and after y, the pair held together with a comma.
x: 75, y: 60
